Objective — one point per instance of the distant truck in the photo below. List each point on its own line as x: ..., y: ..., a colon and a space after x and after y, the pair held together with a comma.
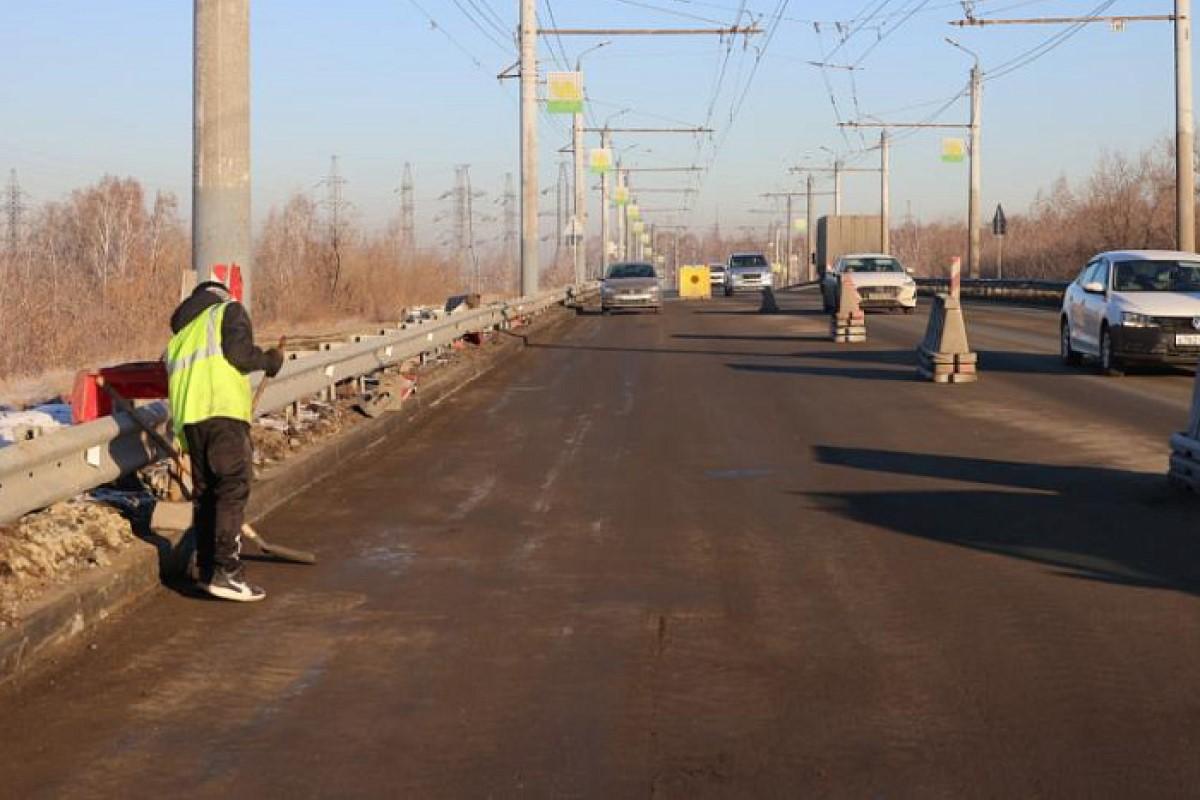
x: 843, y: 235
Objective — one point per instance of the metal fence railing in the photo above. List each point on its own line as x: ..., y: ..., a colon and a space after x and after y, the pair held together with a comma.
x: 1012, y: 290
x: 59, y: 465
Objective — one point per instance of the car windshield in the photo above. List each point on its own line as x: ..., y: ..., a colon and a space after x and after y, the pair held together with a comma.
x: 631, y: 271
x: 1157, y: 276
x: 748, y: 261
x: 871, y: 265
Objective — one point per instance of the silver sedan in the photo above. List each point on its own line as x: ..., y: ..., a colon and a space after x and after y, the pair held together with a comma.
x: 631, y: 285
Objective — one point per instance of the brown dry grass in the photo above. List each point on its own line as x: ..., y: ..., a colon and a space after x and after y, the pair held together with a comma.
x: 96, y: 276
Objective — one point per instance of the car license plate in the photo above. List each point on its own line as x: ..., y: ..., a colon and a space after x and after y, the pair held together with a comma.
x: 1187, y: 339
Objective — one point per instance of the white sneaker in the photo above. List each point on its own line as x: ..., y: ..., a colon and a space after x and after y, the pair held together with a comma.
x: 233, y: 587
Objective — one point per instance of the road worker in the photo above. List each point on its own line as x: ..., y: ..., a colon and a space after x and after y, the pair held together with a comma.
x: 209, y: 358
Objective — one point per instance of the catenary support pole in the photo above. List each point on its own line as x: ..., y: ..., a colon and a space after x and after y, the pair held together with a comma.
x: 787, y: 269
x: 1185, y: 131
x: 606, y: 143
x: 221, y: 139
x: 974, y: 208
x: 811, y: 231
x: 579, y: 217
x: 837, y: 187
x: 529, y: 143
x: 885, y: 192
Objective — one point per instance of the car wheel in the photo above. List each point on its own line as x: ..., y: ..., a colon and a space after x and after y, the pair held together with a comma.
x: 1069, y: 356
x: 1109, y: 364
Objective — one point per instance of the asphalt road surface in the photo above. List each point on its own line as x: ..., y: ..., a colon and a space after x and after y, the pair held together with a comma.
x: 704, y: 553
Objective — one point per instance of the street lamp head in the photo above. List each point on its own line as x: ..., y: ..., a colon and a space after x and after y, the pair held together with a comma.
x: 579, y: 58
x: 966, y: 50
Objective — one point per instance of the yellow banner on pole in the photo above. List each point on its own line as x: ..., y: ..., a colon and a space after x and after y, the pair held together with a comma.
x: 564, y: 93
x: 954, y: 150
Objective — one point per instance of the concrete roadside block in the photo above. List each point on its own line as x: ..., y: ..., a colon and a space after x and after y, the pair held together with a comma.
x: 1185, y: 448
x: 944, y: 355
x: 848, y: 323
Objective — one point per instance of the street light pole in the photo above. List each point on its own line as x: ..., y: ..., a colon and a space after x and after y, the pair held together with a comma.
x: 221, y: 140
x: 1185, y: 131
x: 529, y: 155
x: 810, y: 232
x: 885, y: 192
x: 974, y: 210
x: 606, y: 143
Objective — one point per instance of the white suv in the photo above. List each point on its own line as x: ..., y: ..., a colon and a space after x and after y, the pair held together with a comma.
x: 748, y: 272
x: 1133, y: 306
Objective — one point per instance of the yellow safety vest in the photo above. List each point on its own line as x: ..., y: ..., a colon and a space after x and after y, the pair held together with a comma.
x: 201, y: 382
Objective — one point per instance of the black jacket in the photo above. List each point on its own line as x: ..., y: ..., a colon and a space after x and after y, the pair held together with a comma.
x: 237, y: 335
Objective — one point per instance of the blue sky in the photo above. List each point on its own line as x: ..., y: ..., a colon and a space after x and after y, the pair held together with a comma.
x: 105, y: 87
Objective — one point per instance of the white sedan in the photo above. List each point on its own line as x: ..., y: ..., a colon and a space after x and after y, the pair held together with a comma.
x: 1134, y: 306
x: 881, y: 281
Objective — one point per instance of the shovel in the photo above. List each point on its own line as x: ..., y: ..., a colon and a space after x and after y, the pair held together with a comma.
x: 174, y: 515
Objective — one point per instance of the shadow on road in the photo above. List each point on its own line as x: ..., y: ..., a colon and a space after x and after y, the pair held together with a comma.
x: 1007, y: 361
x: 856, y: 373
x: 812, y: 337
x: 595, y: 348
x: 755, y: 312
x: 1089, y: 523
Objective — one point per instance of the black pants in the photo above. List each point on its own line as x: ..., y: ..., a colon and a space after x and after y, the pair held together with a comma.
x: 222, y: 468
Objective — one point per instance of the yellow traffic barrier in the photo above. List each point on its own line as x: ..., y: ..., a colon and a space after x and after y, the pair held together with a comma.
x: 694, y: 283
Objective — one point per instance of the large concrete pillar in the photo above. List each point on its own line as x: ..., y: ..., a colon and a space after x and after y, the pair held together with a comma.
x: 221, y: 139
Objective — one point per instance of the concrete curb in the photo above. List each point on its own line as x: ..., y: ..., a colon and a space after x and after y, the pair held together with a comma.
x: 61, y: 618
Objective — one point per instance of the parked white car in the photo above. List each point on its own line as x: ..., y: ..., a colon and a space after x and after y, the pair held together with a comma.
x: 881, y: 280
x: 1135, y: 306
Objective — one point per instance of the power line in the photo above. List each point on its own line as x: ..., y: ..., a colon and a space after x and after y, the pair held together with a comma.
x: 435, y: 25
x: 487, y: 33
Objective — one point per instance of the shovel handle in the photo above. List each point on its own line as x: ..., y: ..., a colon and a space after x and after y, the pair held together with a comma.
x: 262, y: 385
x: 128, y: 408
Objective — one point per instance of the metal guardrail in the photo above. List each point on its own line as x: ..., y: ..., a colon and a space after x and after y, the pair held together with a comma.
x: 51, y: 468
x: 1011, y: 290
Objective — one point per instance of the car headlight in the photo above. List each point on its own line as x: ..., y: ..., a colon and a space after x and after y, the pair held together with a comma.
x: 1132, y: 319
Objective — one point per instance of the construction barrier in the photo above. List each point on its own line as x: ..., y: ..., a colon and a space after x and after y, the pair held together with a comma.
x: 945, y: 356
x: 848, y: 323
x: 695, y: 283
x: 1185, y: 448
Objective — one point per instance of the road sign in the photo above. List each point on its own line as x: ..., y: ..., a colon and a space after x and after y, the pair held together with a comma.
x: 1000, y: 222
